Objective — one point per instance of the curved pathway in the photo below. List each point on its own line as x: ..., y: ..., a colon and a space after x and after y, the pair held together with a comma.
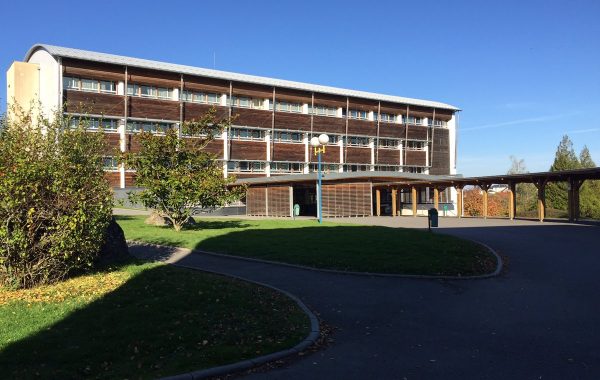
x: 539, y: 320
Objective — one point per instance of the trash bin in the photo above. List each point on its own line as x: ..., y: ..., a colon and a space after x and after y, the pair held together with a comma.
x: 296, y: 210
x: 432, y: 215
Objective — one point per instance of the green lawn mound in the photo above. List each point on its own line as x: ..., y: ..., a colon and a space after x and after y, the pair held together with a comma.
x: 142, y: 321
x: 337, y: 246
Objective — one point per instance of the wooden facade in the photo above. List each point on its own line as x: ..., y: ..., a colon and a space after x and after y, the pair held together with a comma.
x: 435, y: 158
x: 273, y: 201
x: 347, y: 199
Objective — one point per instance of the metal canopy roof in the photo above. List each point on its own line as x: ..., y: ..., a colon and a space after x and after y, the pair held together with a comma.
x: 59, y: 51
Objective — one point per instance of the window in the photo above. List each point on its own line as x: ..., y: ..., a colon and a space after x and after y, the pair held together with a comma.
x: 286, y: 167
x: 94, y: 123
x: 386, y: 168
x: 325, y: 168
x: 357, y: 141
x: 200, y: 97
x: 246, y: 166
x: 356, y: 168
x: 147, y: 126
x: 294, y: 137
x: 149, y: 91
x: 436, y: 123
x: 110, y: 163
x: 247, y: 134
x: 414, y: 169
x: 322, y: 111
x: 91, y: 85
x: 245, y: 102
x: 388, y: 143
x: 288, y: 107
x: 386, y: 117
x: 415, y: 145
x: 414, y: 120
x: 356, y: 114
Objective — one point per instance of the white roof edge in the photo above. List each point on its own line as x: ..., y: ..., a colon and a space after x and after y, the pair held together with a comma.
x: 225, y: 75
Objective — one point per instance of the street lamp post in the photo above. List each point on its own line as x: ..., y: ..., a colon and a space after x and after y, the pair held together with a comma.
x: 318, y: 143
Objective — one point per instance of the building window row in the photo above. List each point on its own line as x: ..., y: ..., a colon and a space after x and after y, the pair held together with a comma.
x: 357, y: 141
x: 110, y: 163
x: 387, y: 168
x: 287, y: 107
x: 357, y: 114
x: 246, y: 134
x: 385, y: 117
x: 388, y: 143
x: 415, y: 145
x: 90, y: 85
x: 245, y: 102
x: 323, y: 110
x: 147, y: 126
x: 357, y: 167
x: 325, y: 168
x: 287, y: 167
x: 246, y: 166
x: 200, y: 97
x: 289, y: 137
x: 93, y: 123
x: 144, y: 91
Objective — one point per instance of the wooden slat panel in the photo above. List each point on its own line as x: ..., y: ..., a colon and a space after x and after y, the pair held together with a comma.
x: 113, y: 178
x: 417, y: 132
x: 214, y: 147
x: 195, y: 111
x: 130, y: 179
x: 205, y: 84
x: 256, y: 202
x: 330, y: 100
x: 363, y: 104
x: 440, y: 163
x: 358, y: 155
x: 418, y: 111
x: 362, y: 127
x: 444, y: 115
x: 416, y: 158
x: 329, y: 124
x: 93, y: 70
x: 248, y: 175
x: 388, y: 156
x: 132, y: 142
x: 331, y: 155
x: 294, y: 96
x: 292, y: 121
x: 288, y: 152
x: 153, y: 108
x: 347, y: 199
x: 392, y: 108
x: 248, y: 150
x: 392, y: 130
x: 154, y: 77
x: 252, y: 90
x: 279, y: 201
x: 252, y: 118
x: 94, y: 103
x: 112, y: 146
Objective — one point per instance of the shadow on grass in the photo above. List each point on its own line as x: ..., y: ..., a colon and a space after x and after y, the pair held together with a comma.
x: 163, y: 321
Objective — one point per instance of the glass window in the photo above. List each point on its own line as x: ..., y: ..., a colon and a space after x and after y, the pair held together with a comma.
x: 164, y: 93
x: 106, y: 86
x: 356, y: 114
x: 110, y: 163
x: 133, y: 89
x: 148, y: 91
x: 358, y: 141
x: 89, y: 85
x: 213, y: 98
x: 71, y: 83
x: 388, y: 143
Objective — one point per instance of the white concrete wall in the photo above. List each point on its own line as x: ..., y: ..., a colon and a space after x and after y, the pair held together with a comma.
x: 50, y: 82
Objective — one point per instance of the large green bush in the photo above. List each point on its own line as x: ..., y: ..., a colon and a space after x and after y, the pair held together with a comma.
x: 55, y: 203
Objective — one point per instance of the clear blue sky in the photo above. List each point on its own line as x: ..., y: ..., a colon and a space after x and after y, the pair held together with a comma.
x: 523, y: 72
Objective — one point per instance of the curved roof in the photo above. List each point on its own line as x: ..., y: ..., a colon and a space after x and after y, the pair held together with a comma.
x: 59, y: 51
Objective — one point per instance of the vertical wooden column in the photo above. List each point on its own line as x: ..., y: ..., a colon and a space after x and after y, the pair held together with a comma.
x: 413, y: 191
x: 512, y: 203
x: 394, y: 202
x: 573, y: 205
x: 378, y: 202
x: 436, y: 198
x: 459, y: 201
x: 541, y: 187
x: 485, y: 189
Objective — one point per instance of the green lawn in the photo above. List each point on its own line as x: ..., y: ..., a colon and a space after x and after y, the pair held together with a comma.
x: 141, y: 321
x: 332, y: 245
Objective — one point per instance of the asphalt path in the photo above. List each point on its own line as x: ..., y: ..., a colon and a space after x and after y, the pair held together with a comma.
x: 540, y: 319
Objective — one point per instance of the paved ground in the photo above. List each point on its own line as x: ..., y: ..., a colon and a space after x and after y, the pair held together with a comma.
x: 540, y: 320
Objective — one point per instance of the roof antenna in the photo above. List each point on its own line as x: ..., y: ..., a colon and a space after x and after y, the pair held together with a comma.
x: 214, y: 60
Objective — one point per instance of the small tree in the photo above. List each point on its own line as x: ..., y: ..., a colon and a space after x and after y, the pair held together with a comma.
x: 55, y: 203
x: 177, y: 175
x: 590, y: 191
x: 565, y: 159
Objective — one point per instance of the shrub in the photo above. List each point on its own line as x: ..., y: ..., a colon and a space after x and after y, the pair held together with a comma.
x: 55, y: 203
